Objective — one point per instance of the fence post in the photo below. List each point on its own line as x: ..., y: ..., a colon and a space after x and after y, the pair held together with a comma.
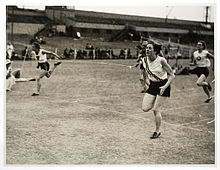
x: 110, y: 56
x: 93, y: 54
x: 126, y: 53
x: 190, y: 53
x: 75, y: 53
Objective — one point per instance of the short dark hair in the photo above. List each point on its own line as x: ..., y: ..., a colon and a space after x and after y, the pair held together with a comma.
x: 139, y: 47
x: 157, y: 47
x: 203, y: 44
x: 36, y: 45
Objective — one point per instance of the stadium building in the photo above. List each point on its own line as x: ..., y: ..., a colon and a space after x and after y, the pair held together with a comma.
x: 67, y: 21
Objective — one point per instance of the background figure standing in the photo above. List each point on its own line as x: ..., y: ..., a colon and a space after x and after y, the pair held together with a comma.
x: 43, y: 65
x: 160, y: 75
x: 10, y: 79
x: 201, y: 61
x: 14, y: 76
x: 143, y: 76
x: 9, y: 50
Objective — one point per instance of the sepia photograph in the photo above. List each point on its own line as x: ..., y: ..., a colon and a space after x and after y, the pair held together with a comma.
x: 109, y: 84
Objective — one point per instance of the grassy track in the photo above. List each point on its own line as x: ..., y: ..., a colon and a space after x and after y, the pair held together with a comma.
x: 89, y: 112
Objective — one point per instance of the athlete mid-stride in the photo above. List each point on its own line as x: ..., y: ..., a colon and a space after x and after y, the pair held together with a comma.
x: 201, y: 61
x: 43, y: 65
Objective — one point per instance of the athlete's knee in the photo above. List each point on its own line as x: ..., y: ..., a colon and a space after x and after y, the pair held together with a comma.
x: 141, y: 80
x: 146, y: 108
x: 199, y: 83
x: 156, y: 111
x: 38, y: 79
x: 48, y: 74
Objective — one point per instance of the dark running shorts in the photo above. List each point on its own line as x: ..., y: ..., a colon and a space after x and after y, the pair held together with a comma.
x: 141, y: 66
x: 155, y: 90
x: 44, y: 66
x: 199, y: 71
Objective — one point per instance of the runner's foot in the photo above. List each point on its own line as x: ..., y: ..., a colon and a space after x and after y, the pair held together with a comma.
x: 58, y: 63
x: 155, y: 135
x: 208, y: 100
x: 35, y: 94
x: 209, y: 87
x: 33, y: 79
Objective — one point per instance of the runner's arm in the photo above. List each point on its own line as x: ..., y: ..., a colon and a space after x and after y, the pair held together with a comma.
x: 169, y: 71
x: 50, y: 52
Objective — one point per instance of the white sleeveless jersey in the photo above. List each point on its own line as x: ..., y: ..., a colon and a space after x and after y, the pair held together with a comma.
x: 42, y: 58
x: 8, y: 70
x: 201, y: 58
x: 156, y: 68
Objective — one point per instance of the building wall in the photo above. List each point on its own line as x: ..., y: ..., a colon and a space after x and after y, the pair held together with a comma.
x: 132, y: 17
x: 62, y: 16
x: 99, y: 26
x: 98, y: 29
x: 61, y: 28
x: 23, y: 28
x: 25, y: 12
x: 96, y: 33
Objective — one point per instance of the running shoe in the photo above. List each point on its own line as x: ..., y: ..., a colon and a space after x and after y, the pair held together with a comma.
x: 33, y: 79
x: 58, y: 63
x: 143, y: 91
x: 209, y: 87
x: 208, y: 100
x: 35, y: 94
x: 155, y: 135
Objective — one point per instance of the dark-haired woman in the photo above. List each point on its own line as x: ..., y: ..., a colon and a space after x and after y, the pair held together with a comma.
x: 43, y: 65
x: 160, y: 75
x: 201, y: 60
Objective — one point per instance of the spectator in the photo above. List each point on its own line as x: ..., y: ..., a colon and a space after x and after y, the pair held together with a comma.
x: 143, y: 76
x: 122, y: 54
x: 65, y: 53
x: 14, y: 76
x: 71, y: 53
x: 9, y: 50
x: 90, y: 54
x: 10, y: 79
x: 79, y: 54
x: 24, y: 52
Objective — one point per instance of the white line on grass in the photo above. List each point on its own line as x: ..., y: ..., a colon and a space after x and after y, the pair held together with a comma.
x: 143, y: 118
x: 106, y: 63
x: 186, y: 127
x: 211, y: 121
x: 189, y: 106
x: 184, y: 124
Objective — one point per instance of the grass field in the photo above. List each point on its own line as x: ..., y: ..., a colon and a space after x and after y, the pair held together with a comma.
x: 89, y: 112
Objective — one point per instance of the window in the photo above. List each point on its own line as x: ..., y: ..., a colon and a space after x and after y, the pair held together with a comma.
x: 166, y: 34
x: 95, y: 30
x: 108, y: 31
x: 176, y: 35
x: 156, y: 34
x: 84, y: 30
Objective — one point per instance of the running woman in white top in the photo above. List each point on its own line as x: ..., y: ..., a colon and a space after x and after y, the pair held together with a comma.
x: 160, y: 75
x: 41, y: 56
x: 201, y: 60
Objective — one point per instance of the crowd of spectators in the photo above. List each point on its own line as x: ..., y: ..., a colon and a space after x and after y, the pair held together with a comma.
x: 96, y: 53
x: 91, y: 52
